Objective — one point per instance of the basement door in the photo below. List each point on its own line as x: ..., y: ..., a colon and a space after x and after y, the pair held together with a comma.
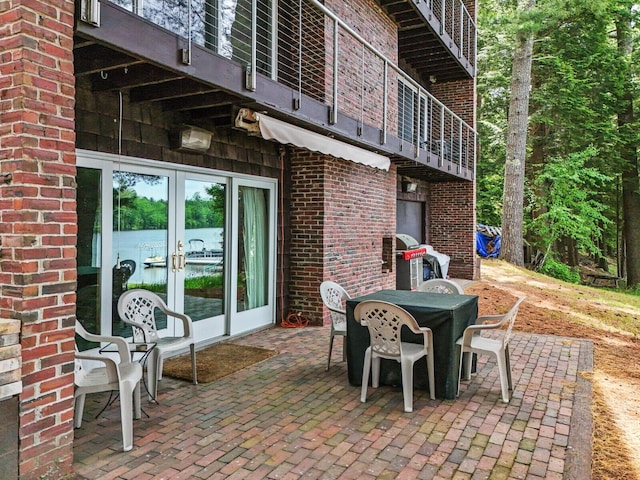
x: 203, y: 241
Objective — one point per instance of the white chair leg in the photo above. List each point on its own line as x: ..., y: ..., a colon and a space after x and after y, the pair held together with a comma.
x: 153, y: 363
x: 160, y: 366
x: 365, y: 374
x: 79, y: 409
x: 508, y: 365
x: 502, y: 368
x: 330, y: 348
x: 126, y: 416
x: 406, y: 368
x: 194, y: 370
x: 430, y: 372
x: 137, y: 408
x: 460, y: 369
x: 468, y: 362
x: 375, y: 371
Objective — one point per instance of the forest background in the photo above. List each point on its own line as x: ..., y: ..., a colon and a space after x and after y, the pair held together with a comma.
x: 580, y: 185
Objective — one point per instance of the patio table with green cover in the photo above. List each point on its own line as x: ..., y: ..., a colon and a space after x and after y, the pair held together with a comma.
x: 445, y: 314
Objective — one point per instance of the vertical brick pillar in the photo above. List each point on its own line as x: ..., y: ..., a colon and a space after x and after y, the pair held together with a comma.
x: 38, y: 222
x: 452, y: 225
x: 340, y: 213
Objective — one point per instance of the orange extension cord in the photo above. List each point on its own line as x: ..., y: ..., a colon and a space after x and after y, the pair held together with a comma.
x: 294, y: 320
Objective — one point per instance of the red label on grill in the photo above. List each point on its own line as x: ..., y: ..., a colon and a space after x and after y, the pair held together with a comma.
x: 415, y: 253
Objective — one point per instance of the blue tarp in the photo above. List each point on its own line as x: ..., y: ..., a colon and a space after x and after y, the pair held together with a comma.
x: 487, y: 246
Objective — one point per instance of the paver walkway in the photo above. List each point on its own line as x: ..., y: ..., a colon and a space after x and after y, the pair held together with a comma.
x: 288, y: 418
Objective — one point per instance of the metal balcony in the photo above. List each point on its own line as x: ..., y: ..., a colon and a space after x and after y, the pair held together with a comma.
x: 298, y: 61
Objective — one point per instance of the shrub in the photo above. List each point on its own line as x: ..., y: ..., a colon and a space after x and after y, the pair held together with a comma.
x: 556, y: 269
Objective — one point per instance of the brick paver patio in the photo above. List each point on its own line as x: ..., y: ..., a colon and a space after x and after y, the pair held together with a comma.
x: 288, y: 418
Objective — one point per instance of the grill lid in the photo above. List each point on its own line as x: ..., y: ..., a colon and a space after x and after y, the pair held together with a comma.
x: 406, y: 242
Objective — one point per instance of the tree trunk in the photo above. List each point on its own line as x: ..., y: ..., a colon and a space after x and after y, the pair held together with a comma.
x: 513, y: 198
x: 630, y: 173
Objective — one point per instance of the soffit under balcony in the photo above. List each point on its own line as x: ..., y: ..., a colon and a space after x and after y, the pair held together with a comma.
x: 422, y: 45
x: 209, y: 92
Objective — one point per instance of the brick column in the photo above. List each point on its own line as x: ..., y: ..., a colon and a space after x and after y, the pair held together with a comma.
x: 452, y: 226
x: 38, y: 222
x: 340, y: 213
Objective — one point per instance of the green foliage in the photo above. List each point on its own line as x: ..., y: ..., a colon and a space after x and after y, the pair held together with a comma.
x: 555, y: 269
x: 205, y: 281
x: 132, y: 212
x: 577, y: 86
x: 569, y: 204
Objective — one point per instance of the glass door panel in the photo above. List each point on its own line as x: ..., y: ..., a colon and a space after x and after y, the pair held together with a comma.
x: 140, y: 238
x: 202, y: 277
x: 253, y: 258
x: 89, y: 258
x: 253, y: 247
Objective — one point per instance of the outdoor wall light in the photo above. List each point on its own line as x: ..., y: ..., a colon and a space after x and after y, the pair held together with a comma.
x: 408, y: 186
x: 191, y: 139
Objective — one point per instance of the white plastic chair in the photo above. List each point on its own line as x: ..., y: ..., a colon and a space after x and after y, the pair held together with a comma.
x: 122, y: 377
x: 137, y: 308
x: 473, y: 342
x: 440, y: 285
x: 385, y: 321
x: 334, y: 298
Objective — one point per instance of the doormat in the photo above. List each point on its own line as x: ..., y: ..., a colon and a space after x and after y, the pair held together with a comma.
x: 216, y: 361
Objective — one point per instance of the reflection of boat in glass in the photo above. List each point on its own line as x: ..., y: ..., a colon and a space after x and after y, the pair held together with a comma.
x: 155, y: 261
x: 199, y: 254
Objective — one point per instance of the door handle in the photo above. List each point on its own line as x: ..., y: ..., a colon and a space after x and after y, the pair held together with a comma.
x: 174, y: 265
x: 181, y: 256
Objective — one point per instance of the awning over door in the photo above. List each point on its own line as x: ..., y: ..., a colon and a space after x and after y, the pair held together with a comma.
x: 272, y: 129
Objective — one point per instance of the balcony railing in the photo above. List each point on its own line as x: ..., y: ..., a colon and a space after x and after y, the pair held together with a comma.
x: 304, y: 46
x: 457, y: 23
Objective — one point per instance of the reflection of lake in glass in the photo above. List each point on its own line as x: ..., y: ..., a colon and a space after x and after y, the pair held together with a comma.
x: 138, y: 245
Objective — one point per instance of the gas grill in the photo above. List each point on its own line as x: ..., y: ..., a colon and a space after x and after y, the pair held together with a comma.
x: 409, y: 255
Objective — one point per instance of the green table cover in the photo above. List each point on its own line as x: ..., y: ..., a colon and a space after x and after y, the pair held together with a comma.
x: 445, y: 314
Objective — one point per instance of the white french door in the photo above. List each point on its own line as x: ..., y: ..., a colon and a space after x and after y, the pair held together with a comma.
x: 205, y: 242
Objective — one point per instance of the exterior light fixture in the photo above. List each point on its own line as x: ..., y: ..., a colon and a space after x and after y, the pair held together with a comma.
x: 191, y: 139
x: 409, y: 186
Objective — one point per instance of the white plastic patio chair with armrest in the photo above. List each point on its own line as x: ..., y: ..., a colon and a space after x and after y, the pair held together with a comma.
x: 137, y: 307
x: 440, y: 285
x: 334, y: 298
x: 385, y: 321
x: 121, y: 376
x: 473, y: 342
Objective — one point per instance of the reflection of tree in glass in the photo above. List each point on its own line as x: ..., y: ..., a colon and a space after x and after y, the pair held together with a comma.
x: 129, y: 179
x: 131, y: 212
x: 217, y: 192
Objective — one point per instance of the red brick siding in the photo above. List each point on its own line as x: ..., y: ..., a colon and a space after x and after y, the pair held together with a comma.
x: 37, y: 221
x: 452, y: 225
x: 458, y: 97
x: 340, y: 211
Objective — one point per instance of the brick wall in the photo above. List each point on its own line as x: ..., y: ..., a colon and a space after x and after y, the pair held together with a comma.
x: 340, y: 212
x: 458, y: 96
x: 452, y: 225
x: 38, y: 223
